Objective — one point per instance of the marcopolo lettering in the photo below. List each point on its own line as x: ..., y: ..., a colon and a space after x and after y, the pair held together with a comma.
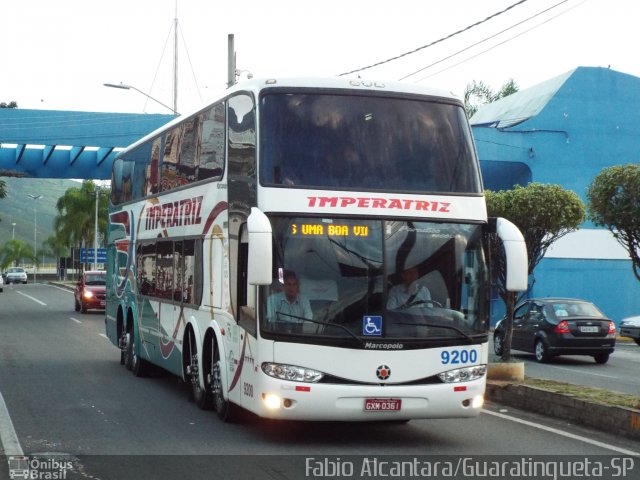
x: 382, y: 203
x: 174, y: 214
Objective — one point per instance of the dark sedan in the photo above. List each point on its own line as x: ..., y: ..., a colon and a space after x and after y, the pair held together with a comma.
x: 559, y: 326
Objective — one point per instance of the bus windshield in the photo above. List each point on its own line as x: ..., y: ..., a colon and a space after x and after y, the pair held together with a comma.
x: 374, y: 279
x: 366, y: 143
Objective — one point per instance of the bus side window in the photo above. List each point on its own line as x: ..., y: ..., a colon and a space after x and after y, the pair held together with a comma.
x: 188, y: 273
x: 170, y: 160
x: 164, y: 269
x: 153, y: 168
x: 189, y: 151
x: 212, y: 143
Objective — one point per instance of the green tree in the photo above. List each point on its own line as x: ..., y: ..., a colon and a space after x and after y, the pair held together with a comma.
x: 15, y: 251
x: 8, y: 105
x: 477, y: 94
x: 613, y: 200
x: 54, y: 247
x: 544, y: 214
x: 75, y: 223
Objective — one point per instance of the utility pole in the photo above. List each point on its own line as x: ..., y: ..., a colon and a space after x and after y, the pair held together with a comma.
x: 231, y: 61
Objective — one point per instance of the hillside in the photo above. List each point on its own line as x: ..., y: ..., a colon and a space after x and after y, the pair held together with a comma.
x: 18, y: 208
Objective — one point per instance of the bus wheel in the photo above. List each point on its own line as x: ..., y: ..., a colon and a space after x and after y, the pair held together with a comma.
x: 201, y: 396
x: 224, y: 408
x: 139, y: 366
x: 128, y: 351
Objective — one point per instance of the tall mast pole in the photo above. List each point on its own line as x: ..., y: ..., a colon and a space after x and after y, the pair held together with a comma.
x: 175, y: 60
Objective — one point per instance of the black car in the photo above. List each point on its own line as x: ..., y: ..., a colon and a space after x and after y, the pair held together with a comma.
x: 559, y: 326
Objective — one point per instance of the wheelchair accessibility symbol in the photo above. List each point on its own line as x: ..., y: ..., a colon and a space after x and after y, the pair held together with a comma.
x: 372, y: 325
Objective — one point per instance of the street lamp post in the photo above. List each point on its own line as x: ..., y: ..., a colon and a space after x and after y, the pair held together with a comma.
x: 13, y: 231
x: 35, y: 233
x: 95, y: 232
x: 124, y: 86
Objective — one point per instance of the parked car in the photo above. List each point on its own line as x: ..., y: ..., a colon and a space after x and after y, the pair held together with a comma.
x: 15, y: 275
x: 90, y: 291
x: 1, y: 283
x: 630, y: 327
x: 559, y: 326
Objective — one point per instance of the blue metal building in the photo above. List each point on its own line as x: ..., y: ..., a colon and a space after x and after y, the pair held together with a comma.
x: 565, y: 131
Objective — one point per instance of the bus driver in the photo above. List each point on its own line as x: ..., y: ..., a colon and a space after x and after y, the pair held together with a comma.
x: 409, y: 293
x: 289, y: 306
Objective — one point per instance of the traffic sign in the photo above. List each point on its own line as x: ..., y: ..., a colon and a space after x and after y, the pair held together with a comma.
x: 88, y: 254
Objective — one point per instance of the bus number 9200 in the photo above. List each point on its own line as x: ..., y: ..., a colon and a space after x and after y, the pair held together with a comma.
x: 458, y: 357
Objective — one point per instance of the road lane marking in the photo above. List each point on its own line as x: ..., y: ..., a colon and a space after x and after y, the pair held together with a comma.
x: 75, y: 320
x: 8, y: 435
x: 622, y: 451
x: 588, y: 373
x: 61, y: 288
x: 31, y: 298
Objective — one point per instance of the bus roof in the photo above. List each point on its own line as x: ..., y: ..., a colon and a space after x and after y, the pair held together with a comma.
x: 331, y: 83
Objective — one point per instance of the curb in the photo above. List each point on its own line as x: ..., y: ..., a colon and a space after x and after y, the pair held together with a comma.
x: 607, y: 418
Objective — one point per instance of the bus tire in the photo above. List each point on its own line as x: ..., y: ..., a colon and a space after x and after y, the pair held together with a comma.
x: 139, y: 366
x: 225, y: 410
x: 201, y: 396
x: 128, y: 351
x: 205, y: 399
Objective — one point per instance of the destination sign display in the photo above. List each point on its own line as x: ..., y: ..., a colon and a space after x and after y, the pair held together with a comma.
x: 331, y: 230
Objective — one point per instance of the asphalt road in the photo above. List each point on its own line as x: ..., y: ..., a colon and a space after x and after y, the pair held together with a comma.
x: 66, y: 393
x: 620, y: 373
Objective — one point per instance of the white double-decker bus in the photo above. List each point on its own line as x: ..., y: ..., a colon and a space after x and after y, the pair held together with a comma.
x: 309, y: 250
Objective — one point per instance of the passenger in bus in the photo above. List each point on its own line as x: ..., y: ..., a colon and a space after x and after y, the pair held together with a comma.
x: 409, y: 293
x: 289, y: 306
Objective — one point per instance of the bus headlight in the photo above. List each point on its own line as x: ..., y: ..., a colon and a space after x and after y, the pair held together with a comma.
x: 466, y: 374
x: 291, y: 372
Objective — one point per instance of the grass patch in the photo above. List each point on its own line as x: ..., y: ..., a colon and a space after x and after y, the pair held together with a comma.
x: 586, y: 393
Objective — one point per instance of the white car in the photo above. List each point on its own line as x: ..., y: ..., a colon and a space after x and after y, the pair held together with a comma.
x: 630, y: 327
x: 15, y: 275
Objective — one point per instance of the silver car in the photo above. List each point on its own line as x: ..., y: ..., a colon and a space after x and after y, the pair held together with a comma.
x: 630, y: 327
x: 15, y: 275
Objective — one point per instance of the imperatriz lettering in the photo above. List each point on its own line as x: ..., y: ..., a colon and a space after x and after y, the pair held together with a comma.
x: 174, y: 214
x: 382, y: 203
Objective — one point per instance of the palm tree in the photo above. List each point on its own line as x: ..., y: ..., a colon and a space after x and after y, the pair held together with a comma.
x: 75, y: 223
x: 54, y: 247
x: 14, y: 251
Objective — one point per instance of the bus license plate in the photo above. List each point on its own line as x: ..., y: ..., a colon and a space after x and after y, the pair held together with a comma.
x: 382, y: 404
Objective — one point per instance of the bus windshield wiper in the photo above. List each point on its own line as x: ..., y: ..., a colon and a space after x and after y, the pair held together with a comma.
x: 435, y: 325
x: 342, y: 327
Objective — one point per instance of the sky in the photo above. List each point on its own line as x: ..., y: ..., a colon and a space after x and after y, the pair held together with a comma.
x: 56, y: 55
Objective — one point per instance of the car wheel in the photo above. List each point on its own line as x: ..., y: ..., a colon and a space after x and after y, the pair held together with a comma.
x: 542, y: 352
x: 84, y: 308
x: 601, y: 358
x: 497, y: 344
x: 637, y: 340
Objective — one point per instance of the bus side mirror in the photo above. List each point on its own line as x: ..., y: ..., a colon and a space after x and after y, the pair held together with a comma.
x: 515, y: 250
x: 259, y: 269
